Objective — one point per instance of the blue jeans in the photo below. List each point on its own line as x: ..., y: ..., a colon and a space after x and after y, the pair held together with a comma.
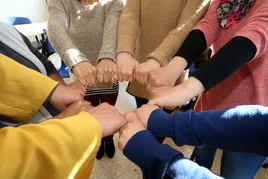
x: 233, y: 164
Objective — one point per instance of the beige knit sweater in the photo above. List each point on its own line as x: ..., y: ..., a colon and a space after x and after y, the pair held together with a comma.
x: 80, y: 32
x: 156, y: 29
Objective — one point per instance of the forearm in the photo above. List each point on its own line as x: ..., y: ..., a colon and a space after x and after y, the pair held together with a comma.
x: 241, y: 128
x: 237, y: 52
x: 59, y: 37
x: 194, y: 45
x: 58, y: 78
x: 108, y: 49
x: 129, y: 25
x: 22, y: 90
x: 191, y: 14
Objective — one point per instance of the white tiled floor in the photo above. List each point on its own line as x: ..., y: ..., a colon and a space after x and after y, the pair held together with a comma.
x: 120, y: 167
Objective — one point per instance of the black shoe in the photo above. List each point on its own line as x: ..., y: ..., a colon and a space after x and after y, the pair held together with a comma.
x: 109, y: 148
x: 101, y: 150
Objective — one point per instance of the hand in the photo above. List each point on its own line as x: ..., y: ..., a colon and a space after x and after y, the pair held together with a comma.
x: 143, y: 113
x: 109, y: 118
x: 64, y: 96
x: 144, y: 68
x: 167, y: 96
x: 167, y: 75
x: 78, y: 86
x: 106, y: 71
x: 74, y: 109
x: 129, y: 130
x: 126, y: 65
x: 85, y: 72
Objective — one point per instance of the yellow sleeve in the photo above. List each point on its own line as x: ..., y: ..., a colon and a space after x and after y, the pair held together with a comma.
x: 129, y: 25
x: 22, y: 90
x: 193, y: 11
x: 54, y: 149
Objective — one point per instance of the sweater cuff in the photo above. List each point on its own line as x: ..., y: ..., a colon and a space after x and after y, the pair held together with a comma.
x: 152, y: 157
x: 106, y: 55
x: 125, y: 48
x: 160, y: 57
x: 160, y: 124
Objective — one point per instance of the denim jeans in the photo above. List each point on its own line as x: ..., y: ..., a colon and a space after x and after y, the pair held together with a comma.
x: 234, y: 165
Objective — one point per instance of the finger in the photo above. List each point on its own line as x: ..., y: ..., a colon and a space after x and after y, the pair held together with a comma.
x: 93, y: 79
x: 120, y: 77
x: 82, y: 93
x: 100, y: 76
x: 82, y: 81
x: 108, y: 75
x: 114, y: 76
x: 87, y: 108
x: 131, y: 78
x: 137, y: 75
x: 125, y: 78
x: 145, y: 78
x: 81, y: 87
x: 114, y: 80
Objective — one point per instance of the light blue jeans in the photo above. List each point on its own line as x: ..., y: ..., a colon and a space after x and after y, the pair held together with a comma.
x: 234, y: 165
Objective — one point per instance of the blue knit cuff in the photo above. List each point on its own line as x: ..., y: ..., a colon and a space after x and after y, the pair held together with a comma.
x: 160, y: 124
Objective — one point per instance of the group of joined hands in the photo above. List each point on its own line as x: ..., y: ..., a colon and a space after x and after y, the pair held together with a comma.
x: 110, y: 119
x: 159, y: 82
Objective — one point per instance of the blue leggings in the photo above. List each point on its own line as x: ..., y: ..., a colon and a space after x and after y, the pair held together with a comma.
x: 234, y: 165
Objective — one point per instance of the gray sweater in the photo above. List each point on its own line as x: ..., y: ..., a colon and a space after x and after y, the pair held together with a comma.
x: 84, y: 33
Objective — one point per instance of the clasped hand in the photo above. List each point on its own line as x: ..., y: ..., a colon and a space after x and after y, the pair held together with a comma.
x: 88, y: 75
x: 71, y: 103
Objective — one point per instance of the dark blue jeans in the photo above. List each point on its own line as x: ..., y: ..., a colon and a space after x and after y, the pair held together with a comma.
x: 234, y: 165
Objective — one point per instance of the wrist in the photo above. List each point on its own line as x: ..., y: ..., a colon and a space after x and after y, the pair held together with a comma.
x: 125, y: 54
x: 192, y: 87
x: 154, y: 62
x: 160, y: 124
x: 81, y: 62
x: 177, y: 66
x: 59, y: 116
x: 73, y: 57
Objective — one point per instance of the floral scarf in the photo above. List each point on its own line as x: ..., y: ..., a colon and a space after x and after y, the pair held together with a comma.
x: 230, y: 12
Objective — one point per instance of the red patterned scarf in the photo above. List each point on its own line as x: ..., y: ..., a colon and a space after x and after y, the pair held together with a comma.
x: 230, y: 12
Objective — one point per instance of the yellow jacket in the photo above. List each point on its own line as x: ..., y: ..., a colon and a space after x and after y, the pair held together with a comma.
x: 54, y: 149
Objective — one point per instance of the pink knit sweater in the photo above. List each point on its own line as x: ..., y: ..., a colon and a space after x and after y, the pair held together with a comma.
x: 249, y: 84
